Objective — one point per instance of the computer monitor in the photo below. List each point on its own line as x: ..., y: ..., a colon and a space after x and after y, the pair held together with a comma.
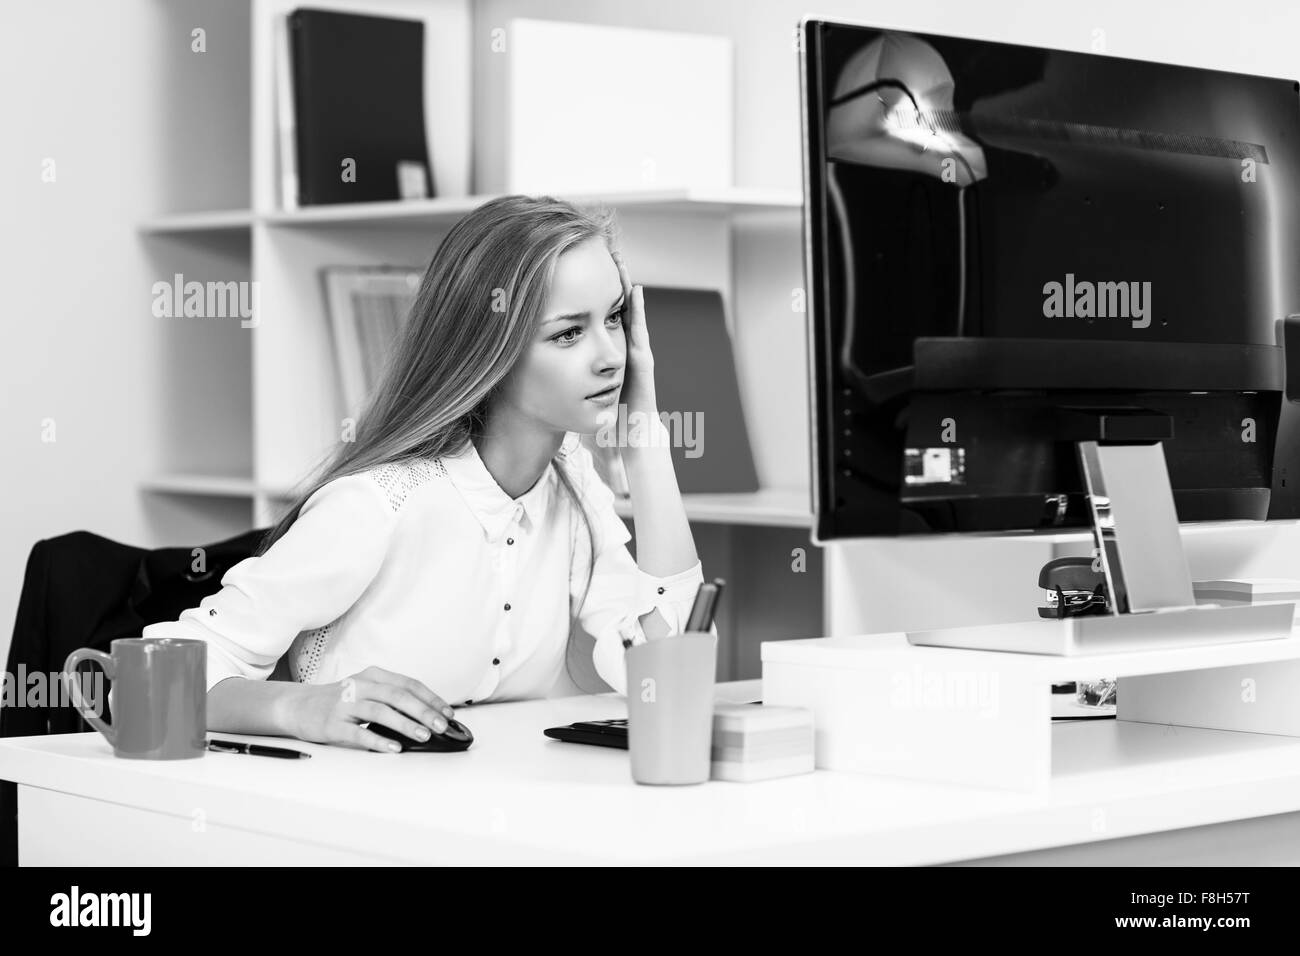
x: 1011, y: 250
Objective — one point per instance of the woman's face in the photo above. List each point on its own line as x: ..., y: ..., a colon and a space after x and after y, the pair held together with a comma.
x: 578, y: 349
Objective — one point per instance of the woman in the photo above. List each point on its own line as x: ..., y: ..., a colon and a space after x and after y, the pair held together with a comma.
x: 443, y: 556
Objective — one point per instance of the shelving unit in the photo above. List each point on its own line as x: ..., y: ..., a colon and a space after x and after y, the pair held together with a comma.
x: 780, y: 507
x: 257, y: 408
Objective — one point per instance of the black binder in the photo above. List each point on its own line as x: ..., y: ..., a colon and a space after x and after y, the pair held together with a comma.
x: 695, y: 376
x: 358, y: 91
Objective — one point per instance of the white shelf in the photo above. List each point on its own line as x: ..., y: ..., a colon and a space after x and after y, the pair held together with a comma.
x: 733, y: 202
x: 434, y: 211
x: 222, y: 220
x: 210, y: 486
x: 769, y: 507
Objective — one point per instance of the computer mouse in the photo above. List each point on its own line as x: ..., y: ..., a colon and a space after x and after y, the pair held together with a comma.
x: 455, y: 737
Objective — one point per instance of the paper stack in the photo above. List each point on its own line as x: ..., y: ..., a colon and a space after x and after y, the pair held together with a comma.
x: 758, y: 742
x: 1247, y: 591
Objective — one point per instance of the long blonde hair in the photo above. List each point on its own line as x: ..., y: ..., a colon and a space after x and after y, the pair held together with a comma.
x: 458, y: 347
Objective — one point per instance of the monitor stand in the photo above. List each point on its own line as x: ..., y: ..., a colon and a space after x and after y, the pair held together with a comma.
x: 1140, y: 552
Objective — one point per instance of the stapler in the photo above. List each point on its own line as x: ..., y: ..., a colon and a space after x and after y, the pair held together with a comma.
x: 1073, y: 589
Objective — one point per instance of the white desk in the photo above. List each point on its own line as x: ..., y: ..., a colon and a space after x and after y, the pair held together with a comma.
x: 517, y: 797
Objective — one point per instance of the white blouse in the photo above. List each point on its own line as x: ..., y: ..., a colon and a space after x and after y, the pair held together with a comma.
x: 431, y: 570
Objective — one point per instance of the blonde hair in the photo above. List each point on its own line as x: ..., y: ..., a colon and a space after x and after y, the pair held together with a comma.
x: 458, y: 348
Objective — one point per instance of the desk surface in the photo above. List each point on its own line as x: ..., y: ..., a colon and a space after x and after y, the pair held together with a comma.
x: 519, y: 797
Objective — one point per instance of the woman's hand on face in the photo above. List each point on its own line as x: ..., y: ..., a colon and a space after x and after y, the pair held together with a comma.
x: 638, y: 392
x: 333, y: 713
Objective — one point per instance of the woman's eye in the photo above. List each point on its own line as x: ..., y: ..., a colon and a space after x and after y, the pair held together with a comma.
x: 567, y: 336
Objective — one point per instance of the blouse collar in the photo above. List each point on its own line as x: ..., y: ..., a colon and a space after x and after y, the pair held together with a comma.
x: 490, y: 503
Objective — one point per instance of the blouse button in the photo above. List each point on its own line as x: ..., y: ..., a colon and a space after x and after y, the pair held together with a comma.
x: 661, y: 590
x: 510, y: 540
x: 507, y: 607
x: 496, y: 660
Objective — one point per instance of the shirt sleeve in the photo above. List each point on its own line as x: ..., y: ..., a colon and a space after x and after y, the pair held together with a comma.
x: 308, y: 578
x: 620, y: 591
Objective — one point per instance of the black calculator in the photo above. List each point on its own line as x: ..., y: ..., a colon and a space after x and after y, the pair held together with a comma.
x: 602, y: 733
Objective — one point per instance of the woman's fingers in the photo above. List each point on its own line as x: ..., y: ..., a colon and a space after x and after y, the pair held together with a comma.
x: 365, y: 739
x: 622, y: 278
x: 630, y: 302
x: 413, y: 686
x: 426, y: 695
x: 634, y: 303
x: 638, y: 318
x: 400, y: 699
x: 373, y: 711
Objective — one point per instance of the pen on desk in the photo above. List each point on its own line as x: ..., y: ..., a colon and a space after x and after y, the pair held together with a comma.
x: 255, y: 750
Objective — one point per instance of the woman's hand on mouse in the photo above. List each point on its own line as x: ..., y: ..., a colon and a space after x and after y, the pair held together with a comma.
x: 333, y: 713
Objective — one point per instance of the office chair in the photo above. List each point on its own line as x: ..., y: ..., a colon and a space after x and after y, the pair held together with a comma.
x: 84, y: 590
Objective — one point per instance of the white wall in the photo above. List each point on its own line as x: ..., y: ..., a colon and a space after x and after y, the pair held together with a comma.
x: 111, y: 92
x: 76, y: 88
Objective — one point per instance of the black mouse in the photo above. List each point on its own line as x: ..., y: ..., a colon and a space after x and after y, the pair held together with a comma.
x: 455, y: 737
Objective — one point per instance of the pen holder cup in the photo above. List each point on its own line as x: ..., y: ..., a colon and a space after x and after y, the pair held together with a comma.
x: 159, y: 696
x: 670, y: 708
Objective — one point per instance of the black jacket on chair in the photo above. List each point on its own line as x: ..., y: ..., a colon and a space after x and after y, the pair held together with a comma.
x: 84, y: 590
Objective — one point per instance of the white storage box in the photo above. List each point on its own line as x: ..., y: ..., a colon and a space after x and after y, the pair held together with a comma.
x: 983, y: 718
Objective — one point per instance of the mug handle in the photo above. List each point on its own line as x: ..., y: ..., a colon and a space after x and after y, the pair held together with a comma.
x: 70, y: 681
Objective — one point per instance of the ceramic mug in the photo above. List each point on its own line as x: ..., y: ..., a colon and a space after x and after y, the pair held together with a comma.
x: 159, y: 696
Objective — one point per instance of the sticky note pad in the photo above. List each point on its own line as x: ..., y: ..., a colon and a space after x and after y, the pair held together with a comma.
x: 759, y: 742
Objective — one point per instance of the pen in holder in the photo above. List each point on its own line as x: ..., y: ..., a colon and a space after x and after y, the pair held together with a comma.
x: 670, y: 698
x: 702, y: 610
x: 670, y: 708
